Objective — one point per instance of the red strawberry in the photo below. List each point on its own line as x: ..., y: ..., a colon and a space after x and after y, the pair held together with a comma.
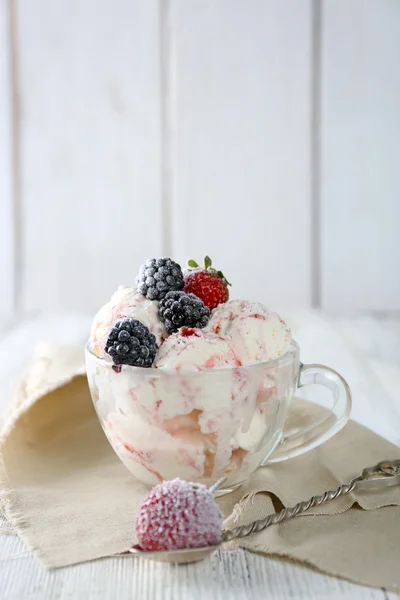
x: 208, y: 284
x: 178, y: 514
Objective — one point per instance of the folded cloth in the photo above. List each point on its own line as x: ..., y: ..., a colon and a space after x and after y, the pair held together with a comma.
x: 68, y: 496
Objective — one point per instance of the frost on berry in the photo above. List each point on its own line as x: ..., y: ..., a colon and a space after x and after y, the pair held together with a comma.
x: 178, y: 514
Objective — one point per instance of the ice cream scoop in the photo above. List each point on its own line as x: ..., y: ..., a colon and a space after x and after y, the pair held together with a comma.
x: 254, y: 333
x: 126, y: 302
x: 194, y: 350
x: 192, y: 409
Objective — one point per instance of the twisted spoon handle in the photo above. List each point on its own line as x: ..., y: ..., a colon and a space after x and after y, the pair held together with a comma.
x: 385, y: 473
x: 288, y: 513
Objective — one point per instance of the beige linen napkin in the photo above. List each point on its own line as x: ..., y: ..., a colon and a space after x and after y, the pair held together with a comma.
x: 68, y: 496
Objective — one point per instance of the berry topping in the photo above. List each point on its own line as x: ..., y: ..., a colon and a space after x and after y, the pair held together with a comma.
x: 179, y: 309
x: 158, y: 276
x: 208, y: 284
x: 131, y: 343
x: 178, y: 514
x: 189, y: 331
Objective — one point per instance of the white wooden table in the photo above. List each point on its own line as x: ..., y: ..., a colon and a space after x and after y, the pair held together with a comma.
x: 365, y: 349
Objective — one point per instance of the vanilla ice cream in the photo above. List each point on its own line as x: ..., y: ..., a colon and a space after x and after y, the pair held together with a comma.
x: 183, y: 416
x: 126, y: 302
x: 195, y: 350
x: 207, y: 407
x: 254, y: 333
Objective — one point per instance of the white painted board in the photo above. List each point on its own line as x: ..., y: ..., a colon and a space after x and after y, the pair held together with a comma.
x: 239, y: 142
x: 90, y: 100
x: 230, y: 575
x: 360, y: 154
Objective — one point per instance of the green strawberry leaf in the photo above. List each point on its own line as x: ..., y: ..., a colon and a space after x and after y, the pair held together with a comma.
x: 192, y: 263
x: 207, y: 262
x: 224, y: 279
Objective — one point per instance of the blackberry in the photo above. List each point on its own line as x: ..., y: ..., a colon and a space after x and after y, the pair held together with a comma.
x: 158, y: 276
x: 131, y: 343
x: 179, y: 309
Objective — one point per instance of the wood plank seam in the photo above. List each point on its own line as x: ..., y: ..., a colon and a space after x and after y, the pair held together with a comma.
x: 166, y: 100
x: 16, y: 156
x: 6, y: 184
x: 315, y: 123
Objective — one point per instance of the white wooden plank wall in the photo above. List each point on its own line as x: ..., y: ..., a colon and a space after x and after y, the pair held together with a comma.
x: 360, y: 154
x: 90, y: 169
x: 241, y: 128
x: 168, y: 126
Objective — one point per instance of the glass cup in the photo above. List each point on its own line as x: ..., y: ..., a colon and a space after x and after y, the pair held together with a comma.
x: 201, y: 426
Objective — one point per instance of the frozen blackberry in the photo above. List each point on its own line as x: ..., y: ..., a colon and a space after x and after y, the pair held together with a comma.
x: 158, y: 276
x: 179, y: 309
x: 131, y: 343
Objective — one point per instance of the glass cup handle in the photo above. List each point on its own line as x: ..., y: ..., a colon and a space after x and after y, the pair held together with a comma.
x: 315, y: 434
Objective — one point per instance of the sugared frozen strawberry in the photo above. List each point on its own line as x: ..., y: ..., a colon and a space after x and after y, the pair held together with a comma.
x: 208, y: 284
x: 178, y: 514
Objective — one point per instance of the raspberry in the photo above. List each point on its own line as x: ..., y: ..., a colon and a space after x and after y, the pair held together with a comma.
x: 178, y: 514
x: 178, y: 309
x: 131, y: 343
x: 209, y: 285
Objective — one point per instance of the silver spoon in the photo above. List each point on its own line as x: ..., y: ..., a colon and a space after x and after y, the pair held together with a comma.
x: 384, y: 474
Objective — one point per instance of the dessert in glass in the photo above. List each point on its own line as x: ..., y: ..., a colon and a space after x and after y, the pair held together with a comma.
x: 189, y: 384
